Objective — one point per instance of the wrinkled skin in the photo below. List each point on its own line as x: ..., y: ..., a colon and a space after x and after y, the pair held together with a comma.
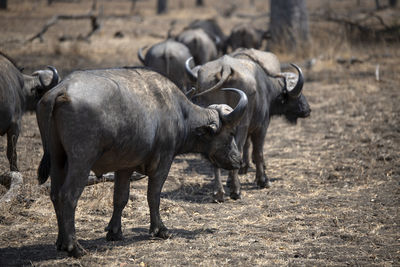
x: 134, y: 119
x: 18, y: 93
x: 267, y: 97
x: 168, y: 58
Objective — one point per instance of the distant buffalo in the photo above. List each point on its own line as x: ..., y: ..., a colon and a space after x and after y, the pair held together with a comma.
x: 19, y: 93
x: 211, y: 27
x: 246, y: 36
x: 200, y: 44
x: 168, y: 58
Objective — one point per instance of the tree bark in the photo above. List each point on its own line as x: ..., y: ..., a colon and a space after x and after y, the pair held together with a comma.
x: 288, y: 25
x: 162, y: 6
x: 3, y: 4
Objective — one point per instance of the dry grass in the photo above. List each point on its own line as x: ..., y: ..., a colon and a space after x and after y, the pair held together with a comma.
x: 334, y: 198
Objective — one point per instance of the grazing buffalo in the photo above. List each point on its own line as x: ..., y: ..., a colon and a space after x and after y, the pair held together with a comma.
x: 168, y: 58
x: 211, y: 27
x: 125, y: 120
x: 246, y: 36
x: 19, y: 93
x: 201, y: 46
x: 269, y: 93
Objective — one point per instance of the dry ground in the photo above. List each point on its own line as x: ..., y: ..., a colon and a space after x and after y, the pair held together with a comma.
x: 335, y: 192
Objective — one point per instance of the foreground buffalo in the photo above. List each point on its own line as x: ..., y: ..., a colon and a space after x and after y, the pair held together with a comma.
x: 269, y: 93
x: 125, y: 120
x: 19, y: 93
x: 168, y: 58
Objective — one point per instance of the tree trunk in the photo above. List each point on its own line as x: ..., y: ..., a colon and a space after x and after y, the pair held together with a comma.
x: 161, y: 6
x: 199, y: 3
x: 288, y: 25
x: 378, y: 6
x: 3, y: 4
x: 393, y: 3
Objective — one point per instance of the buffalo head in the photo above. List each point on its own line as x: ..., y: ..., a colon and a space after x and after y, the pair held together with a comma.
x: 37, y: 84
x: 216, y: 140
x: 292, y: 103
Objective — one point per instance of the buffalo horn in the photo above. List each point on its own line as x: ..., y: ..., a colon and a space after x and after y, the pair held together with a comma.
x: 236, y: 115
x: 226, y: 72
x: 54, y: 80
x: 140, y: 55
x: 296, y: 91
x: 191, y: 74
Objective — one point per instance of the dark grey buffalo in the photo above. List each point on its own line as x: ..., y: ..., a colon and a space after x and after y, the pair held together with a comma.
x: 19, y: 93
x: 246, y: 36
x: 214, y: 31
x: 125, y: 120
x: 269, y: 93
x: 168, y: 58
x: 201, y: 46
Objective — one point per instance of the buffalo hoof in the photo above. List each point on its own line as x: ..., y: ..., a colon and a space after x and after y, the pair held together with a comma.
x: 74, y: 250
x: 118, y: 236
x: 264, y: 184
x: 218, y: 197
x: 160, y: 233
x: 235, y: 196
x: 244, y: 169
x: 77, y: 251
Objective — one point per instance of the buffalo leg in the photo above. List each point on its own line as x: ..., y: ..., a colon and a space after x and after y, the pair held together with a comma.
x: 71, y: 190
x: 57, y: 174
x: 219, y: 192
x: 12, y: 138
x: 121, y: 196
x: 233, y: 179
x: 258, y: 155
x: 246, y: 158
x: 155, y: 184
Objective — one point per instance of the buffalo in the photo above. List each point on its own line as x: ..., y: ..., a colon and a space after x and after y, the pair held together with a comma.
x: 19, y: 93
x: 246, y: 36
x: 201, y: 46
x: 270, y: 93
x: 125, y: 120
x: 168, y: 58
x: 214, y: 31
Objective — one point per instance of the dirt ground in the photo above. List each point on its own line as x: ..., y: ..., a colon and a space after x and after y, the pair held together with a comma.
x: 335, y: 193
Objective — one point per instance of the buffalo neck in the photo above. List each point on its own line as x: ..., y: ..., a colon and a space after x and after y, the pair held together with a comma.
x: 194, y: 116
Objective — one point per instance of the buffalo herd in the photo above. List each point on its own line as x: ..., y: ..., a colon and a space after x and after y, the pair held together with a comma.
x: 192, y: 96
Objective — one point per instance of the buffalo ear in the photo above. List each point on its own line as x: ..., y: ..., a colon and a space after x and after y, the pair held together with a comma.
x: 210, y: 129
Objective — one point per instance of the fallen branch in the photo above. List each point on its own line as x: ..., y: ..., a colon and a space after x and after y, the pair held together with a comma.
x: 95, y: 25
x: 108, y: 177
x: 13, y: 181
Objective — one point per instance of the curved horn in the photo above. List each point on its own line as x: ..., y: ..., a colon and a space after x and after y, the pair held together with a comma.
x: 217, y: 40
x: 236, y: 115
x: 140, y: 54
x: 54, y: 79
x: 190, y: 73
x: 296, y: 91
x: 226, y: 72
x: 190, y: 92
